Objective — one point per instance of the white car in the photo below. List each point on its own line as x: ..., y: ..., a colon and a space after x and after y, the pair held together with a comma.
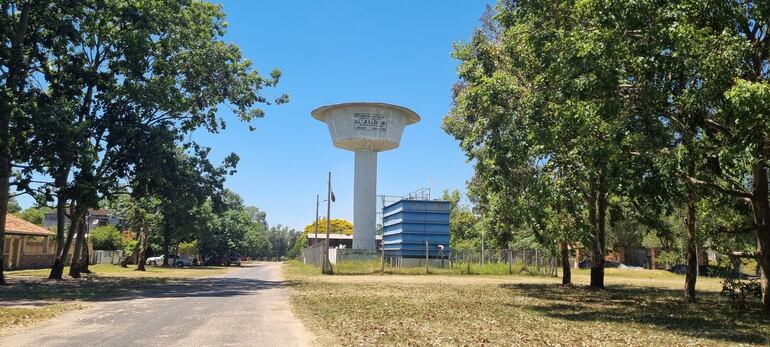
x: 173, y: 260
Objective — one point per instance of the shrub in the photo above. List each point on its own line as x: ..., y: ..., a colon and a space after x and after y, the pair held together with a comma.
x: 107, y: 238
x: 741, y: 292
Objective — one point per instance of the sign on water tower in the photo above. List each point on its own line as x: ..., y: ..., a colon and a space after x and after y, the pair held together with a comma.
x: 365, y: 128
x: 370, y: 122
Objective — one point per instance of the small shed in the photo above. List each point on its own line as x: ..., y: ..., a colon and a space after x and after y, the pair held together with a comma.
x: 411, y: 225
x: 27, y: 245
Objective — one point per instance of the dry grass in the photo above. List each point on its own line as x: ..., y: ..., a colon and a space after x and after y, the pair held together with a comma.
x: 107, y: 270
x: 14, y: 318
x: 639, y: 307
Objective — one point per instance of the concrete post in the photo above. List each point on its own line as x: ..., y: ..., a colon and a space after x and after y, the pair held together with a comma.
x: 17, y: 251
x: 365, y: 200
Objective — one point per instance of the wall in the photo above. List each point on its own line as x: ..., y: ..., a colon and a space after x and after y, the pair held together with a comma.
x: 106, y: 257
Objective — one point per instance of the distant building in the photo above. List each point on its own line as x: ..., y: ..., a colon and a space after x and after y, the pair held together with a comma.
x: 337, y: 240
x: 96, y: 218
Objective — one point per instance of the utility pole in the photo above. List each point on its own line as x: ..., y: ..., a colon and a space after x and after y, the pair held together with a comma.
x: 327, y: 268
x: 317, y: 202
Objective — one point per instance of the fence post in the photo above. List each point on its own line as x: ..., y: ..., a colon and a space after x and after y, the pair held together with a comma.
x: 510, y: 262
x: 467, y: 262
x: 427, y: 260
x: 382, y: 260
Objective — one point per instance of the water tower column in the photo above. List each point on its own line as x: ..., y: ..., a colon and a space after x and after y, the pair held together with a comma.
x: 365, y: 200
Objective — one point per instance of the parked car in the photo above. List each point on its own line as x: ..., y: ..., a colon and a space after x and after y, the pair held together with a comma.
x: 586, y: 264
x: 234, y: 259
x: 224, y: 260
x: 216, y: 260
x: 175, y: 260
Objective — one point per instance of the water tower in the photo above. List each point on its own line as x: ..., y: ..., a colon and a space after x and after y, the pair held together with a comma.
x: 365, y: 128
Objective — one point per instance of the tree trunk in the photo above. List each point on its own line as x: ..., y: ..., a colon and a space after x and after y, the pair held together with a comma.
x: 692, y: 256
x: 14, y: 77
x: 127, y: 257
x: 597, y: 214
x: 60, y: 222
x: 166, y: 243
x: 135, y: 252
x: 761, y: 208
x: 4, y: 181
x: 57, y: 270
x: 140, y: 259
x: 76, y: 254
x: 86, y: 259
x: 566, y: 277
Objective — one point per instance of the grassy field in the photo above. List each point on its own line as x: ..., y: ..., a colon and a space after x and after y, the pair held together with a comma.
x: 31, y: 297
x: 640, y: 307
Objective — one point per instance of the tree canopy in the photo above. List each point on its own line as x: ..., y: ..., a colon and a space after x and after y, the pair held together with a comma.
x: 591, y: 118
x: 337, y: 226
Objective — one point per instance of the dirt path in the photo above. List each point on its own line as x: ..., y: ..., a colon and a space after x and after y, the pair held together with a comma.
x: 247, y: 307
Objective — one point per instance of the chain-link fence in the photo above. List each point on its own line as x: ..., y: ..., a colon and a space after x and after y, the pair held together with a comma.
x: 500, y: 261
x: 462, y: 261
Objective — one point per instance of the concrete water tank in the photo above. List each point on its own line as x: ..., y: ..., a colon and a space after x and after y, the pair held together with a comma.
x: 365, y: 128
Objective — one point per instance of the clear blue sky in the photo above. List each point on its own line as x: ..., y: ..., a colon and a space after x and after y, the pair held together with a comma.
x: 339, y: 51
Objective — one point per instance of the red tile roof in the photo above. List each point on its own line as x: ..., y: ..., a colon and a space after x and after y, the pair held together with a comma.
x: 17, y: 226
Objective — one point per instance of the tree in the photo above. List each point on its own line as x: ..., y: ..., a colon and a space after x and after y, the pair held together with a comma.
x: 546, y: 108
x: 34, y: 215
x: 13, y: 206
x: 258, y: 216
x: 256, y: 243
x: 187, y: 208
x: 337, y: 226
x: 133, y: 68
x: 106, y: 238
x: 143, y: 214
x: 29, y: 30
x: 188, y: 248
x: 282, y: 239
x: 299, y: 245
x: 703, y: 68
x: 462, y: 221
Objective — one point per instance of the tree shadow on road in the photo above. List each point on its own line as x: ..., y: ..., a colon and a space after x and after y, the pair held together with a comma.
x: 649, y: 308
x: 95, y: 288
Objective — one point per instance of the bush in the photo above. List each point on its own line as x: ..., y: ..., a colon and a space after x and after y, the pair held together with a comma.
x: 128, y: 246
x: 741, y: 292
x: 106, y: 238
x: 188, y: 248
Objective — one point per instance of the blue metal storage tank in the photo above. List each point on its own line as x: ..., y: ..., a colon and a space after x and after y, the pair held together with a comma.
x: 407, y: 224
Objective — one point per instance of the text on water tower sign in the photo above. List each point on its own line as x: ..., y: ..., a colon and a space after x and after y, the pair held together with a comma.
x: 370, y: 122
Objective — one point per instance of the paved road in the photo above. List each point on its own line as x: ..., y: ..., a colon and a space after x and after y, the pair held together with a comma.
x: 246, y: 307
